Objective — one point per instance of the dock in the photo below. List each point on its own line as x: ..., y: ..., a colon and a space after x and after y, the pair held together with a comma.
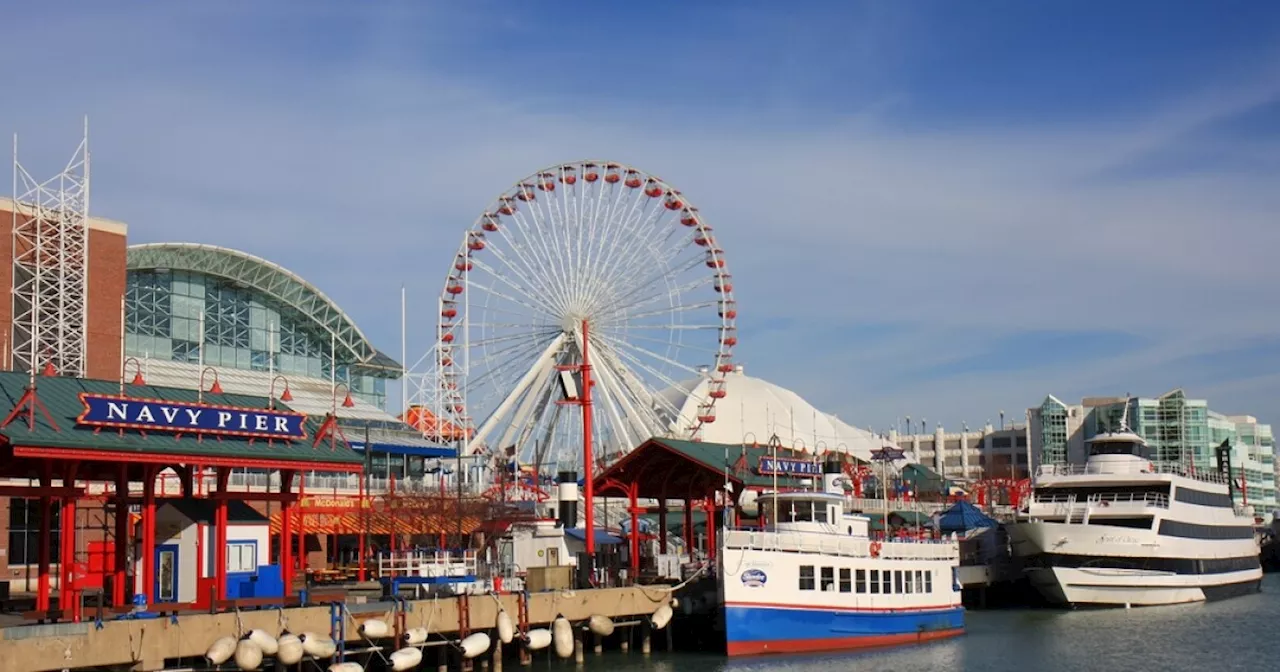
x: 156, y: 643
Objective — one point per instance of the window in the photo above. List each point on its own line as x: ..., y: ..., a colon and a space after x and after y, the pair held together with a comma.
x: 846, y: 583
x: 862, y: 580
x: 885, y: 583
x: 919, y: 581
x: 897, y: 581
x: 875, y: 582
x: 928, y: 581
x: 242, y: 557
x: 909, y: 583
x: 806, y: 577
x: 828, y: 579
x: 24, y: 531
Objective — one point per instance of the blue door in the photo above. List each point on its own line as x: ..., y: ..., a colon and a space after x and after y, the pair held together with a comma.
x: 166, y: 588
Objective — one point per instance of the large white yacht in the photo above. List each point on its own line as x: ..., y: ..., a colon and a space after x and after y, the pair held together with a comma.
x: 1122, y: 530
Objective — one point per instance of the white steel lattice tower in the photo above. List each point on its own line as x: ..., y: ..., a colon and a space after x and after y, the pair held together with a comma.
x: 51, y: 266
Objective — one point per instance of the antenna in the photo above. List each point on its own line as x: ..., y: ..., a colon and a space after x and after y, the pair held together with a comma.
x: 1124, y: 416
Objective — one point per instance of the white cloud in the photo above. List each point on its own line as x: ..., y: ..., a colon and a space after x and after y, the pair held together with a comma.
x: 361, y: 172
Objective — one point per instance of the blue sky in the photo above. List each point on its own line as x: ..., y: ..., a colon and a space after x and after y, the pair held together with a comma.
x: 937, y: 209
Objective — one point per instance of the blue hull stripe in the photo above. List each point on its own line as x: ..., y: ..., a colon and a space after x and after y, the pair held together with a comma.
x: 764, y: 624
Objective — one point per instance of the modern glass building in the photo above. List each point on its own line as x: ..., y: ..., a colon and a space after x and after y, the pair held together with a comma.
x: 224, y: 308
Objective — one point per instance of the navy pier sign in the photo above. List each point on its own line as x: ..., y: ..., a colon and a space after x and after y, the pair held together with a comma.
x: 770, y: 466
x: 101, y: 410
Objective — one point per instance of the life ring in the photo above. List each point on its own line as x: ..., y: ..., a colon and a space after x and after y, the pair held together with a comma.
x: 875, y: 549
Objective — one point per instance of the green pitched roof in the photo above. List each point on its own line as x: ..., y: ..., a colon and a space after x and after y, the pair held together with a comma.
x: 61, y: 397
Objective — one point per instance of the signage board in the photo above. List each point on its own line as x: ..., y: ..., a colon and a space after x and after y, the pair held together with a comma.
x: 103, y: 410
x: 332, y: 502
x: 768, y: 466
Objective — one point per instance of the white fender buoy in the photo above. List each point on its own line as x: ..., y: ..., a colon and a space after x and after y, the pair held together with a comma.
x: 661, y: 617
x: 348, y: 666
x: 506, y: 631
x: 265, y: 641
x: 248, y: 655
x: 414, y: 636
x: 562, y: 636
x: 375, y: 628
x: 537, y: 639
x: 221, y: 650
x: 675, y: 602
x: 288, y: 649
x: 600, y: 625
x: 318, y: 646
x: 474, y: 644
x: 406, y: 658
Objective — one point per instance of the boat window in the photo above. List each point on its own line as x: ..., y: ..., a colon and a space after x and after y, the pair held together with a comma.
x: 875, y: 581
x: 928, y: 581
x: 885, y: 583
x: 862, y: 580
x: 908, y: 583
x: 828, y: 579
x: 806, y: 577
x: 802, y: 512
x: 897, y: 581
x: 919, y: 581
x: 846, y: 582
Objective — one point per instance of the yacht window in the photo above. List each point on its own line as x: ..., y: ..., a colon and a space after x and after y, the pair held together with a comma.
x: 806, y: 577
x: 897, y: 581
x: 875, y: 581
x: 908, y: 583
x: 885, y: 582
x: 828, y: 579
x: 919, y: 581
x: 862, y: 580
x: 928, y: 581
x: 846, y: 581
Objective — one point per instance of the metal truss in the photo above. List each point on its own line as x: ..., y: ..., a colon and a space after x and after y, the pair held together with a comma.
x: 51, y: 266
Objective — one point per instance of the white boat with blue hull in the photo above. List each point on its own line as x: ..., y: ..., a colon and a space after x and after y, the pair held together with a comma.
x: 811, y: 579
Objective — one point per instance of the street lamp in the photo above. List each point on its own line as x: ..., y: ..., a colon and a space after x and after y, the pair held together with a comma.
x: 347, y: 402
x: 215, y: 389
x: 285, y: 396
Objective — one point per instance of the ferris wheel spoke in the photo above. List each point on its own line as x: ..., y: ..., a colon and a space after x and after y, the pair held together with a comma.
x: 683, y: 307
x: 545, y: 359
x: 507, y: 297
x: 554, y: 260
x: 532, y: 299
x: 533, y: 258
x: 625, y: 346
x: 529, y: 271
x: 628, y: 384
x: 516, y: 358
x: 620, y: 310
x: 676, y: 344
x: 631, y: 383
x: 624, y: 256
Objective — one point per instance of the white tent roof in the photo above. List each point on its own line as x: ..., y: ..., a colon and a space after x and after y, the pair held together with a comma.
x: 754, y: 410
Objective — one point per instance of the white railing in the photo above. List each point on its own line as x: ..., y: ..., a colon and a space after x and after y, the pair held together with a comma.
x: 837, y: 545
x: 1107, y: 498
x: 1206, y: 475
x: 428, y: 564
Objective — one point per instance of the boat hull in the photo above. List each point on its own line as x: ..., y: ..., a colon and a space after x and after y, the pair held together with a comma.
x: 752, y: 629
x: 1097, y: 566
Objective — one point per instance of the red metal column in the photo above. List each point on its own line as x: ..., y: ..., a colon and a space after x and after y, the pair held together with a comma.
x: 363, y: 526
x: 67, y: 558
x: 711, y: 528
x: 286, y: 532
x: 588, y: 493
x: 302, y: 529
x: 634, y: 508
x: 688, y: 527
x: 220, y: 535
x: 662, y: 526
x: 46, y: 525
x: 119, y: 592
x: 149, y: 535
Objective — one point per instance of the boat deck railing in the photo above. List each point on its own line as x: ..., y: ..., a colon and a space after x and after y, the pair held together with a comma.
x: 1208, y: 476
x: 1102, y: 499
x: 838, y: 545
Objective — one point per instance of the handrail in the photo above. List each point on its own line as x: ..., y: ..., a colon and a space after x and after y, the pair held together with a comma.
x: 1206, y: 476
x: 1107, y: 498
x: 832, y: 544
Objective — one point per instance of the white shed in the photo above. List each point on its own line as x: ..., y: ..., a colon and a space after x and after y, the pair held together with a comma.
x: 185, y: 551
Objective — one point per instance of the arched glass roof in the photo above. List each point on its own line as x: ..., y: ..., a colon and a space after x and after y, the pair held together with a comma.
x: 281, y: 285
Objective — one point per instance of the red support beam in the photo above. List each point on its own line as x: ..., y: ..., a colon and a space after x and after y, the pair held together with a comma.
x: 252, y: 496
x: 634, y: 508
x: 286, y: 533
x: 220, y: 535
x: 24, y: 491
x: 361, y: 575
x: 119, y: 593
x: 46, y: 527
x: 302, y: 529
x: 149, y: 533
x: 711, y: 527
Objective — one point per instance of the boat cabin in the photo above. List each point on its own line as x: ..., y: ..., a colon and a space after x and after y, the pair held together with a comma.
x: 1118, y: 453
x: 820, y: 512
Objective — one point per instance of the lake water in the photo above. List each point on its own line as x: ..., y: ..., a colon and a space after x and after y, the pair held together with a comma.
x: 1237, y: 634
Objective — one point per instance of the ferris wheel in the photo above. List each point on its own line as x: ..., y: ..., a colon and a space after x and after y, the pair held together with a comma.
x: 595, y: 242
